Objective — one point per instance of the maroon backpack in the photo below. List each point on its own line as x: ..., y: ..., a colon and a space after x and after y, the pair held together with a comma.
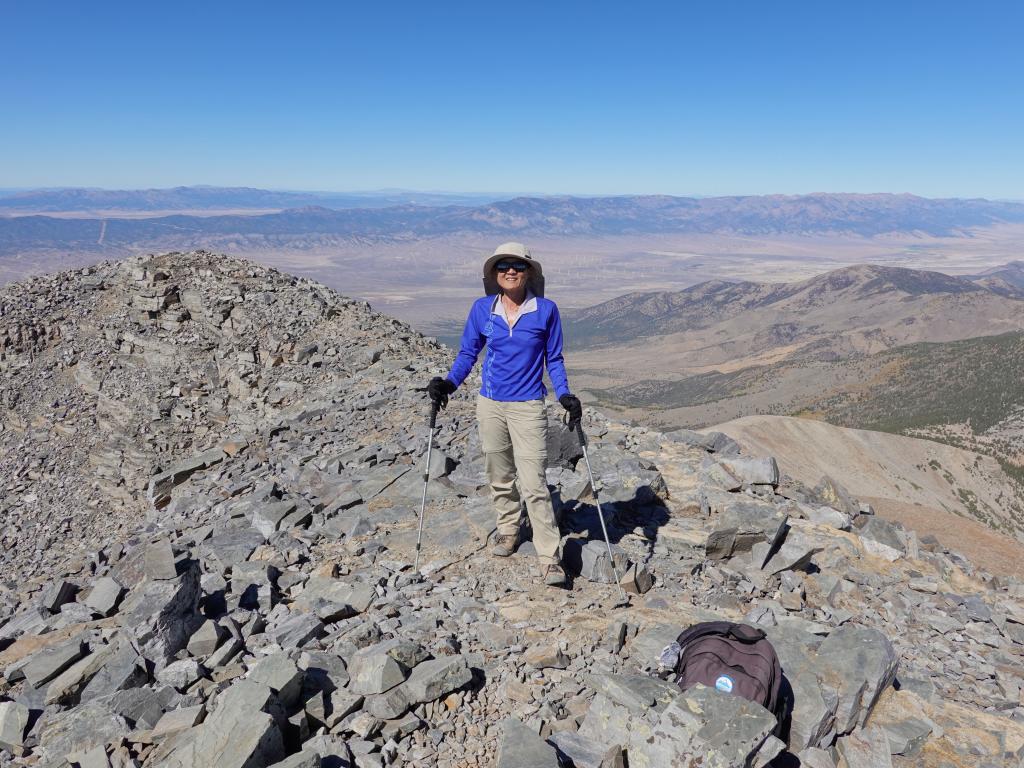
x: 733, y: 658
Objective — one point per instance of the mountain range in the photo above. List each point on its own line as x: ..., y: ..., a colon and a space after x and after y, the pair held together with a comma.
x: 860, y: 309
x: 861, y: 215
x: 200, y: 198
x: 1004, y: 278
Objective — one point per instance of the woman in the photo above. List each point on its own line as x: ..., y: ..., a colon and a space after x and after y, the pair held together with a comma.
x: 523, y: 334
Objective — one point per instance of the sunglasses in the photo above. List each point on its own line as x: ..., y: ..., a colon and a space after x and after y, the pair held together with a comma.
x: 505, y: 266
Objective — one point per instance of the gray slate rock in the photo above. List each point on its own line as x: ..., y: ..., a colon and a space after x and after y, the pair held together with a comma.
x: 232, y: 546
x: 159, y: 562
x: 177, y: 720
x: 79, y: 729
x: 161, y: 485
x: 795, y: 553
x: 56, y: 594
x: 324, y: 671
x: 332, y: 750
x: 95, y: 757
x: 267, y: 517
x: 545, y: 656
x: 296, y: 630
x: 405, y: 652
x: 712, y: 442
x: 692, y: 439
x: 813, y: 757
x: 180, y: 674
x: 822, y: 515
x: 433, y: 679
x: 142, y: 706
x: 13, y: 721
x: 907, y: 737
x: 833, y: 494
x: 50, y: 662
x: 812, y: 720
x: 205, y: 640
x: 33, y: 620
x: 357, y: 596
x: 389, y: 705
x: 726, y: 731
x: 741, y: 525
x: 858, y: 663
x: 751, y: 471
x: 105, y: 596
x: 67, y: 683
x: 224, y: 653
x: 607, y: 723
x: 238, y: 734
x: 594, y: 563
x: 304, y: 759
x: 124, y: 668
x: 374, y: 671
x: 881, y: 531
x: 866, y: 748
x: 281, y: 674
x: 583, y: 752
x: 522, y: 748
x: 638, y: 693
x: 164, y: 613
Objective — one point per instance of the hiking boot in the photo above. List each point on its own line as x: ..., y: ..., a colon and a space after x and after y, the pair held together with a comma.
x: 504, y: 545
x: 554, y: 576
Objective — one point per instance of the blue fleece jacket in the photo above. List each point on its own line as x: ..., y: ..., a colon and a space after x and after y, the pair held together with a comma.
x: 513, y: 366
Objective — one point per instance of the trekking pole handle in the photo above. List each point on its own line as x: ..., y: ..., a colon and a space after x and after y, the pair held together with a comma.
x: 579, y: 431
x: 433, y: 414
x: 578, y: 426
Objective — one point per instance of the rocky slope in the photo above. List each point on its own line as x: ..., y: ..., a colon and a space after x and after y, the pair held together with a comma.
x: 229, y: 581
x: 941, y: 480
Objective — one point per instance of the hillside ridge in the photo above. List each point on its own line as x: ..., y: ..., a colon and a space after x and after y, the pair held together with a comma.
x: 213, y: 476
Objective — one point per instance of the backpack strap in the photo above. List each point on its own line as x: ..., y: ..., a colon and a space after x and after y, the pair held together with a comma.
x: 701, y: 630
x: 741, y: 632
x: 746, y: 634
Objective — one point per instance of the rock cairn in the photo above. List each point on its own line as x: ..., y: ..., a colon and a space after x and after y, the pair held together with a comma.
x: 212, y: 473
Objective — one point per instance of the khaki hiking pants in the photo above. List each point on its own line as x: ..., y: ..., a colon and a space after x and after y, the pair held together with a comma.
x: 513, y: 436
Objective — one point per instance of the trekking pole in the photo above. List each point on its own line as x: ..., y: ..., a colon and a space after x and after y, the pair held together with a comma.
x: 426, y: 480
x: 624, y: 600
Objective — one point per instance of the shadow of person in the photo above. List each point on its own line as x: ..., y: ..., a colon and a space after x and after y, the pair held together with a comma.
x: 579, y: 521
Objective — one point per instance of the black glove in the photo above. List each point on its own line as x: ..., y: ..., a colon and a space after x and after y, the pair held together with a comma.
x: 572, y: 404
x: 438, y: 390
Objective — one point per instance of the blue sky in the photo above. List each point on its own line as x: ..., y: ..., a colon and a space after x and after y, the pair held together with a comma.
x: 551, y: 97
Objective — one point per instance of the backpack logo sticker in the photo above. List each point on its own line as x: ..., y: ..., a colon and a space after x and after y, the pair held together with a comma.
x: 724, y: 684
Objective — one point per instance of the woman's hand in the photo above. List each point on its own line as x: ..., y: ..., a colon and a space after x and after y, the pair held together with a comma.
x: 438, y: 390
x: 572, y: 404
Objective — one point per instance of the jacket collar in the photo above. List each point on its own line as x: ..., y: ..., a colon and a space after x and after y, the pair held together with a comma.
x: 530, y: 305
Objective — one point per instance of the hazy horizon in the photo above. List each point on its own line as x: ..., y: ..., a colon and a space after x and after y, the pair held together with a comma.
x: 568, y: 98
x: 496, y: 195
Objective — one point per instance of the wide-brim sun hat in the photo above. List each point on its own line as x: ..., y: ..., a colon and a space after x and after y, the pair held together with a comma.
x: 518, y: 251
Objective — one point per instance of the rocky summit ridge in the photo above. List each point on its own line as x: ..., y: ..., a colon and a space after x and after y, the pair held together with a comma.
x: 211, y: 474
